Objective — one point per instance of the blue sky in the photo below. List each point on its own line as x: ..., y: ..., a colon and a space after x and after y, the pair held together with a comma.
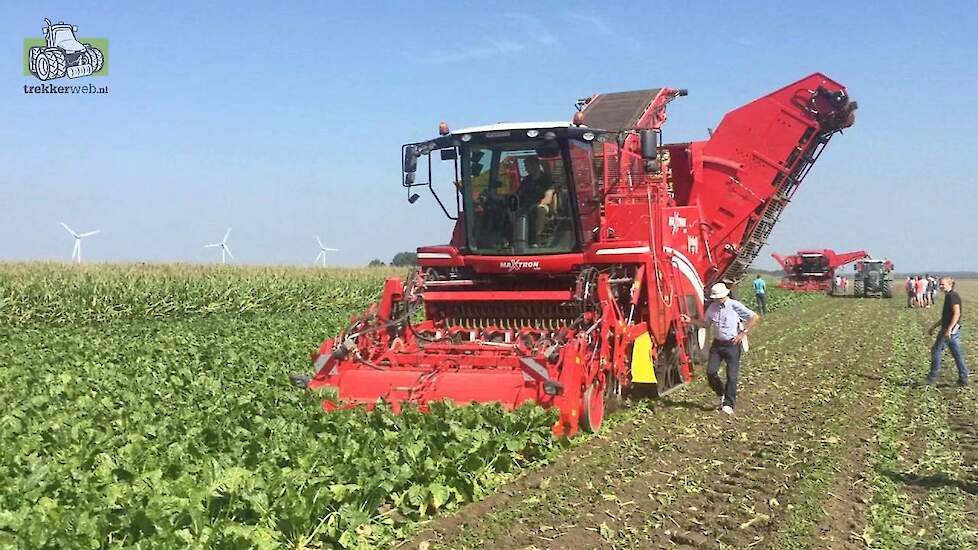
x: 284, y: 121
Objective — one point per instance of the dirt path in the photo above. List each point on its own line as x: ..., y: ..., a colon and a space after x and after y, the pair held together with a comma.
x: 685, y: 476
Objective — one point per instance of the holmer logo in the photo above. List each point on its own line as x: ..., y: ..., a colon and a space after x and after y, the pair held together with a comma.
x: 516, y: 264
x: 61, y: 54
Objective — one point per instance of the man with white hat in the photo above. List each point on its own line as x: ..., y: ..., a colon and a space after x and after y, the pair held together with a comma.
x: 727, y: 317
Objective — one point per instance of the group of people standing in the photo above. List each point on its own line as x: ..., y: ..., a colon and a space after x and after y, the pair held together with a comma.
x: 840, y: 284
x: 921, y: 290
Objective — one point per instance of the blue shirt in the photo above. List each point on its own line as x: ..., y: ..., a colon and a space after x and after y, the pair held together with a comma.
x: 726, y: 317
x: 759, y: 286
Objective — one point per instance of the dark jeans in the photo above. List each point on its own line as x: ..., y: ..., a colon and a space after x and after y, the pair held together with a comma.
x: 762, y: 302
x: 730, y: 353
x: 954, y: 342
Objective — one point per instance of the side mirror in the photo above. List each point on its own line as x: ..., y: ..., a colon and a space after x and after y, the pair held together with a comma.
x: 410, y: 158
x: 649, y: 140
x: 408, y: 179
x: 449, y: 154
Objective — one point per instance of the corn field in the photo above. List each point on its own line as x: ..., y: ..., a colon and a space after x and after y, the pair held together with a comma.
x: 58, y: 293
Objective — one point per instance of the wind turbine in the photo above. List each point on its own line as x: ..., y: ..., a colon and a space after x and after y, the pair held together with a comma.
x: 323, y: 250
x: 76, y: 251
x: 223, y: 245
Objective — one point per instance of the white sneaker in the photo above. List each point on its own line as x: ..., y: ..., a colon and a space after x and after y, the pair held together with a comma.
x: 727, y: 409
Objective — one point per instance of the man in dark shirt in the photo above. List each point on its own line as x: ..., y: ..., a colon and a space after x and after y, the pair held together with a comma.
x: 536, y: 196
x: 536, y: 188
x: 949, y: 335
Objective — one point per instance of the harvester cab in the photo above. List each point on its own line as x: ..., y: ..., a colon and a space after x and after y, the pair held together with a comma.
x: 63, y: 54
x: 873, y: 279
x: 521, y: 188
x: 578, y: 249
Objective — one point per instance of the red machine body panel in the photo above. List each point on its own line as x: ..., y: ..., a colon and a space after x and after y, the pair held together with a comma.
x: 634, y: 231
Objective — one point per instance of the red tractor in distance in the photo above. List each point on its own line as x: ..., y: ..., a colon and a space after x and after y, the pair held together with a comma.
x: 577, y: 248
x: 813, y: 270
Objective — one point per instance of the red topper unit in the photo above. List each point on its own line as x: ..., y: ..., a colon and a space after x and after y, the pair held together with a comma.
x: 577, y: 247
x: 813, y: 270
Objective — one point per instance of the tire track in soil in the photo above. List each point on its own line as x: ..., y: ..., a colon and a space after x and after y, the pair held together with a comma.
x: 846, y: 499
x: 844, y: 509
x: 544, y: 508
x: 961, y: 417
x: 963, y: 420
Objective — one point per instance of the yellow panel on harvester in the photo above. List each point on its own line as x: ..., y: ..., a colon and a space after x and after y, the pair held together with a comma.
x: 642, y: 371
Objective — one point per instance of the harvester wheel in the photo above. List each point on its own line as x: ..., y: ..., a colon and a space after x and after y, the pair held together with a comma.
x: 667, y: 367
x: 858, y: 287
x: 57, y: 64
x: 95, y: 58
x: 614, y: 394
x: 592, y: 415
x: 885, y: 289
x: 699, y: 352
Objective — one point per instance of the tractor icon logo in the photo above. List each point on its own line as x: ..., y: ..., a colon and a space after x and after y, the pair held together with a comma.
x: 63, y: 55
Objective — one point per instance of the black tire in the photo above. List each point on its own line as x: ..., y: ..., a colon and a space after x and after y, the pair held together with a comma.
x: 858, y: 288
x: 95, y: 58
x: 698, y: 354
x: 57, y: 63
x: 667, y: 366
x: 885, y: 289
x: 613, y: 394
